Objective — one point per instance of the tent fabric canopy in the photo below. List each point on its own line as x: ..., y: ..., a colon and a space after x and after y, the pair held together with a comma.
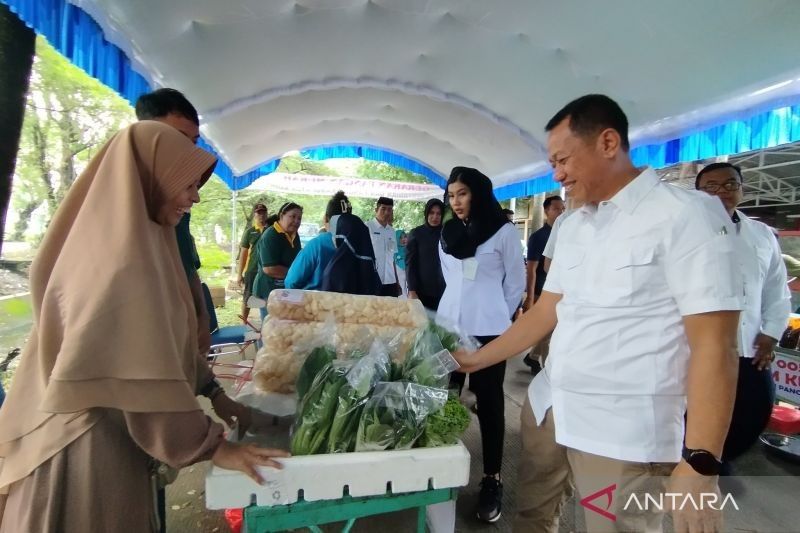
x: 429, y: 84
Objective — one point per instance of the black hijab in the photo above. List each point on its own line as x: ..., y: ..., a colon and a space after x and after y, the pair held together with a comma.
x: 433, y: 202
x: 461, y: 238
x: 352, y: 269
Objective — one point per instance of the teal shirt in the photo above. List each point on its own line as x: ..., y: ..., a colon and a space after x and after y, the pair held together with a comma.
x: 400, y: 254
x: 273, y: 249
x: 309, y: 266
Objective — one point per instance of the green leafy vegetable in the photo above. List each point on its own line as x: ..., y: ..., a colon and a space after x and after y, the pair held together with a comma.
x: 445, y: 426
x: 318, y: 359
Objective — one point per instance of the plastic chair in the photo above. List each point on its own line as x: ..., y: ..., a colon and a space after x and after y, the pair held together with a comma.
x: 229, y: 340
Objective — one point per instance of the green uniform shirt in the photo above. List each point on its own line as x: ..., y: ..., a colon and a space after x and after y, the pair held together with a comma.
x: 186, y: 247
x: 273, y: 249
x: 249, y: 240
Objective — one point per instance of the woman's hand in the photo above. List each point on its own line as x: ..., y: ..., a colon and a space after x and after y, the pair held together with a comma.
x: 246, y: 457
x: 468, y: 361
x: 232, y: 412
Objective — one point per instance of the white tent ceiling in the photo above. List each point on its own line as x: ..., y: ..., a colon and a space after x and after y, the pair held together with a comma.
x: 452, y: 82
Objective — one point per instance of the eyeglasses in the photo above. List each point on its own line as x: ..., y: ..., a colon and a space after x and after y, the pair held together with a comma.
x: 730, y: 186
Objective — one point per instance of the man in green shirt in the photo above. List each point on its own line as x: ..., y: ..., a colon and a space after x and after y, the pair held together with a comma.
x: 248, y: 263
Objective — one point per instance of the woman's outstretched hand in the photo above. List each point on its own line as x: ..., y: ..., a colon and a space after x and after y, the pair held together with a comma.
x: 246, y: 457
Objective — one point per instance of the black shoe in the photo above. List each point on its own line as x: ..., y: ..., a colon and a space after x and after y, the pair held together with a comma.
x: 490, y: 499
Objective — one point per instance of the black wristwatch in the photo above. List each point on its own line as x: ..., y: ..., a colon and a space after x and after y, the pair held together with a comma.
x: 211, y: 389
x: 703, y: 461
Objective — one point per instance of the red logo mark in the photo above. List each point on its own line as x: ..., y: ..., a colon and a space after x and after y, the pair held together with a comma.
x: 608, y: 492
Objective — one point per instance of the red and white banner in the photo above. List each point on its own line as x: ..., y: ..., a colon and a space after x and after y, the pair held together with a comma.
x: 352, y: 186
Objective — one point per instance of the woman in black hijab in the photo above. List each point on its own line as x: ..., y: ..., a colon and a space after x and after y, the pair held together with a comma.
x: 425, y: 281
x: 481, y: 257
x: 352, y: 269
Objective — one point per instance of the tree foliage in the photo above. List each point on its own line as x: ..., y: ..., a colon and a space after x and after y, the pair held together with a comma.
x: 68, y: 117
x: 214, y: 209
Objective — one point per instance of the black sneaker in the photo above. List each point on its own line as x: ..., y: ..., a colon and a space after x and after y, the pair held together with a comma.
x: 490, y: 499
x: 533, y: 363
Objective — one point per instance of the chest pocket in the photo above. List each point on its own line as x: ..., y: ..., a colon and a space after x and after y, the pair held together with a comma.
x: 570, y: 259
x: 490, y: 263
x: 628, y: 275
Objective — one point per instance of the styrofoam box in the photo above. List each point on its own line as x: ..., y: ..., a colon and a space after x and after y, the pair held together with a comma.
x: 325, y: 477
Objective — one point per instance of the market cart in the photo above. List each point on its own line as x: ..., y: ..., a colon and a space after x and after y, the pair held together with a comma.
x: 321, y: 489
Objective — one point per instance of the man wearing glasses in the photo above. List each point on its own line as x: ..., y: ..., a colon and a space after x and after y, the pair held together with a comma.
x: 765, y: 314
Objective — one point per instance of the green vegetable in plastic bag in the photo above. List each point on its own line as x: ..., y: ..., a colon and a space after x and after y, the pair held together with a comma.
x: 317, y: 410
x: 394, y: 416
x: 361, y: 378
x: 318, y: 359
x: 428, y: 363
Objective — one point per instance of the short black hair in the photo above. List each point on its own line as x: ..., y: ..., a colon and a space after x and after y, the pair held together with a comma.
x: 288, y: 206
x: 162, y: 102
x: 271, y: 220
x: 591, y: 114
x: 717, y: 166
x: 550, y: 199
x: 383, y: 200
x: 508, y: 212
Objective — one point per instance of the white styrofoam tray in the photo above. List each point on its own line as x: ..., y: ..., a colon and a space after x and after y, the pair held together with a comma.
x: 325, y: 477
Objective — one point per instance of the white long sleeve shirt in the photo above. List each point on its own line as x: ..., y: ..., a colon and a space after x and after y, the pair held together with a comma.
x: 629, y: 270
x: 384, y: 244
x: 483, y: 292
x: 767, y: 300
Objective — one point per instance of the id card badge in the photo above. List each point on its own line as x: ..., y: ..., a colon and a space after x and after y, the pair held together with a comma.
x: 469, y: 268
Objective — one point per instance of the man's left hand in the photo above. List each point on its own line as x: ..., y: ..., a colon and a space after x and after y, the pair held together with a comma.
x: 688, y: 518
x: 764, y: 345
x: 232, y: 412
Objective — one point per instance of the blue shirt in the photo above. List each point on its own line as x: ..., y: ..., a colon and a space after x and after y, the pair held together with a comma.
x: 309, y: 265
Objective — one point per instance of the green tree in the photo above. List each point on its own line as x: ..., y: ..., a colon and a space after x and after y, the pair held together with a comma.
x: 407, y: 214
x: 16, y: 58
x: 68, y: 117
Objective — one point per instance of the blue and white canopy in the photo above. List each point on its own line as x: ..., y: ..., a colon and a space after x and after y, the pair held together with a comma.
x: 429, y: 84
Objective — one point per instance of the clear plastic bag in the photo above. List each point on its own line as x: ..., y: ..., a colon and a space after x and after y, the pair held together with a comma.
x: 308, y: 306
x: 428, y: 362
x: 361, y: 378
x: 287, y: 344
x: 452, y: 336
x: 394, y: 416
x: 316, y: 411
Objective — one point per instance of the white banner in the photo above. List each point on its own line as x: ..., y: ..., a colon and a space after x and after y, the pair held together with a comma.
x: 280, y: 182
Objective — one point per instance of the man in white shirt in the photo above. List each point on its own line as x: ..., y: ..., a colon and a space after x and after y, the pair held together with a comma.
x: 644, y: 298
x: 767, y: 304
x: 384, y: 243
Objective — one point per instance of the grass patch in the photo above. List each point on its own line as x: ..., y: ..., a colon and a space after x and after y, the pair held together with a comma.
x: 16, y: 307
x: 215, y: 264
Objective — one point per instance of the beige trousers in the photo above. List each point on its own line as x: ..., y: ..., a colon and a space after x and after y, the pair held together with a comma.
x: 548, y: 471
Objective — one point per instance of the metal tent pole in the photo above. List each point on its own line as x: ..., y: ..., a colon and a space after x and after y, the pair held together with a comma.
x: 234, y: 243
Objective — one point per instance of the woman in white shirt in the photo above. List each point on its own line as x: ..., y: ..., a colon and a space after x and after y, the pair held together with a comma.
x: 482, y: 267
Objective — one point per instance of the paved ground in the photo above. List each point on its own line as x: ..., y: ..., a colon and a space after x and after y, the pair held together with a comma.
x: 769, y: 501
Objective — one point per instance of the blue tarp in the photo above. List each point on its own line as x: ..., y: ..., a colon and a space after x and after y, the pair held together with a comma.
x: 79, y: 38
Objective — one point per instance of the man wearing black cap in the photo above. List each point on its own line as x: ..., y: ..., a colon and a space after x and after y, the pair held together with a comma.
x: 247, y: 262
x: 384, y: 243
